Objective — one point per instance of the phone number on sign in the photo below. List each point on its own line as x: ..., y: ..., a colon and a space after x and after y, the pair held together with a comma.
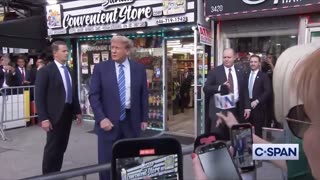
x: 172, y: 20
x: 218, y: 8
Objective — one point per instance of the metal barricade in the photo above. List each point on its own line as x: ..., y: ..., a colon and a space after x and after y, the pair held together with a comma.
x: 84, y: 171
x: 17, y: 107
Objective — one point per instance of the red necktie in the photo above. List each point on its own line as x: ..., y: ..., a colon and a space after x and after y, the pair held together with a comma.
x: 230, y: 80
x: 22, y: 74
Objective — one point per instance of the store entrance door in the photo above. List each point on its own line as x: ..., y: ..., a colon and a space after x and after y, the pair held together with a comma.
x: 180, y: 93
x: 313, y: 35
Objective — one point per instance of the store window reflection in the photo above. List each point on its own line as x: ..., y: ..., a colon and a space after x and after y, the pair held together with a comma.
x: 268, y: 47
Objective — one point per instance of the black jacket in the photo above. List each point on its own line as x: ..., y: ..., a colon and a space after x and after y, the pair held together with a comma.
x: 261, y: 89
x: 50, y: 94
x: 217, y: 77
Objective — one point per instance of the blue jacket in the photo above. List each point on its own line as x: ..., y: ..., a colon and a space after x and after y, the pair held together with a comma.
x: 105, y: 100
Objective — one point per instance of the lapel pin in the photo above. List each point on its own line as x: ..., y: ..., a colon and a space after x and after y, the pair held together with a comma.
x: 257, y: 77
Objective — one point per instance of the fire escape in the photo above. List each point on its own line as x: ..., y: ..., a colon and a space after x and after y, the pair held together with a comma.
x: 16, y: 9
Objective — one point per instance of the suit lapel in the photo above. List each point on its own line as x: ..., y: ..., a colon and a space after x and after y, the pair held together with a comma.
x: 223, y: 73
x: 239, y: 76
x: 256, y: 80
x: 72, y: 80
x: 133, y: 76
x: 114, y: 80
x: 57, y: 73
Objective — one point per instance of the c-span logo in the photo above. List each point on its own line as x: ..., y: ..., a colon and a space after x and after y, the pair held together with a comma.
x: 275, y: 152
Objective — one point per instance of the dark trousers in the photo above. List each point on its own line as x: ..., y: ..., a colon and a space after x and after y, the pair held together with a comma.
x: 105, y: 146
x: 57, y: 141
x: 258, y: 119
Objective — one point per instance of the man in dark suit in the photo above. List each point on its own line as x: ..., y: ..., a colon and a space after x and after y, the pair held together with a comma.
x: 119, y: 99
x: 185, y: 90
x: 226, y: 79
x: 7, y: 72
x: 259, y: 88
x: 22, y: 73
x: 33, y: 72
x: 56, y: 101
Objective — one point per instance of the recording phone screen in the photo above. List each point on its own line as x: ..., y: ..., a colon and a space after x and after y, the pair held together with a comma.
x: 164, y: 167
x: 242, y: 143
x: 217, y: 164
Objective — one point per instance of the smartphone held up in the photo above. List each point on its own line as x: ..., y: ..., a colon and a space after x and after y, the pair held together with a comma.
x: 216, y: 161
x: 144, y: 159
x: 241, y: 141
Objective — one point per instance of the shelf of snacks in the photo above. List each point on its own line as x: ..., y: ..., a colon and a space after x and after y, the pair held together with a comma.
x: 151, y: 58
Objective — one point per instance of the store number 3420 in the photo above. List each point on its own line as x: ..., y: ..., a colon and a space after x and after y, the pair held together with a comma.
x: 218, y: 8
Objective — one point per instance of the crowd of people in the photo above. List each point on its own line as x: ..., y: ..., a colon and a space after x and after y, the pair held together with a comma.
x: 296, y: 104
x: 119, y: 99
x: 19, y: 72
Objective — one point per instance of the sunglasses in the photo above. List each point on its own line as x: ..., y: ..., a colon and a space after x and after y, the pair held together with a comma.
x: 298, y: 121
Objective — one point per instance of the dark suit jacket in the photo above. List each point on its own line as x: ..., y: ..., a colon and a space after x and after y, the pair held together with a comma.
x: 10, y: 78
x: 261, y: 88
x: 19, y: 80
x: 217, y: 77
x: 33, y: 75
x: 105, y: 100
x: 50, y: 94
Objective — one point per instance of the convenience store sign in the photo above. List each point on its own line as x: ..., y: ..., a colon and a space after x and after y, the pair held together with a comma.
x: 90, y: 16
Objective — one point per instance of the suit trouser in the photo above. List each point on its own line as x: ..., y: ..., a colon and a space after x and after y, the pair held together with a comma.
x: 258, y: 119
x: 57, y: 141
x: 105, y: 146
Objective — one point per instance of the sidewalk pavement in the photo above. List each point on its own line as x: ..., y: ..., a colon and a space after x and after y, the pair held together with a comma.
x: 21, y: 155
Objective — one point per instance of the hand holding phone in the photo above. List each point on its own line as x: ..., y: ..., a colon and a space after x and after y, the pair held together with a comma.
x: 152, y: 158
x: 217, y: 162
x: 241, y: 140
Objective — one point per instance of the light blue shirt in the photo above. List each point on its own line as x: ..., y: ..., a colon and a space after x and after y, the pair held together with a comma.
x: 127, y: 77
x: 61, y: 70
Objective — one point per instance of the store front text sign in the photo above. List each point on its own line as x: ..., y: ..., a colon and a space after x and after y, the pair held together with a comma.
x: 116, y: 14
x: 220, y: 8
x: 253, y: 2
x: 115, y: 2
x: 123, y: 14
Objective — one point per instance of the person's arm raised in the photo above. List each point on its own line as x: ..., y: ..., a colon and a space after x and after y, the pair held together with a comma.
x: 231, y: 120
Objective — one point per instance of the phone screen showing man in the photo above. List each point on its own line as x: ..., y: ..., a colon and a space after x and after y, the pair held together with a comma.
x: 242, y: 144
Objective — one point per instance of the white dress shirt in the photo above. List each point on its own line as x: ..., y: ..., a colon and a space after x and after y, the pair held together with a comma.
x: 127, y: 77
x: 254, y: 74
x: 4, y: 85
x: 24, y: 71
x: 235, y: 81
x: 61, y: 70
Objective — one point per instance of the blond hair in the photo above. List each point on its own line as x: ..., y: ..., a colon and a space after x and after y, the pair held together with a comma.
x: 286, y: 93
x: 127, y: 42
x: 307, y: 81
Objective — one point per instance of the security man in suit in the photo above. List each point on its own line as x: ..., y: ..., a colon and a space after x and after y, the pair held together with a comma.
x: 259, y: 89
x: 119, y: 99
x: 224, y: 79
x: 56, y: 102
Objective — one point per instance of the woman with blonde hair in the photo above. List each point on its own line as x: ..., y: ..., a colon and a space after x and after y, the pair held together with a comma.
x: 295, y: 84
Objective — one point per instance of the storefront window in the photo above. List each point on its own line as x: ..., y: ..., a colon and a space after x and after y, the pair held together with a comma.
x: 147, y: 51
x: 268, y: 47
x: 315, y: 36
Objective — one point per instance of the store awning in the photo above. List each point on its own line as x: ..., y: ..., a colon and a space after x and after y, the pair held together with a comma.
x: 241, y: 9
x: 26, y: 33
